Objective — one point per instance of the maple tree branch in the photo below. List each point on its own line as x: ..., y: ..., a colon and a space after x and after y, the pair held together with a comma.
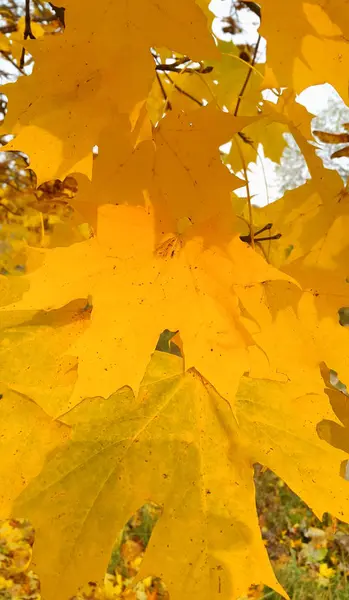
x: 170, y: 67
x: 27, y: 31
x: 244, y: 85
x: 177, y: 62
x: 175, y: 69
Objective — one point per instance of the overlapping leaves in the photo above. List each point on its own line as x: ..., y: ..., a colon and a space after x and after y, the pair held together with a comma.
x: 171, y: 248
x: 179, y: 444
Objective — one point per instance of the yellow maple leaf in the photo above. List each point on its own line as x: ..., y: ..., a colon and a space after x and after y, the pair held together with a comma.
x: 266, y: 411
x: 179, y: 167
x: 4, y: 43
x: 187, y: 86
x: 28, y: 435
x: 306, y: 44
x: 179, y: 431
x: 314, y: 231
x: 265, y: 131
x: 56, y: 113
x: 167, y: 252
x: 335, y: 432
x: 46, y: 376
x: 139, y: 288
x: 180, y: 445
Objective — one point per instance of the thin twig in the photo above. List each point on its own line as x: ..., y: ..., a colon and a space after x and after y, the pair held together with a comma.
x: 184, y: 60
x: 27, y: 31
x: 266, y: 227
x: 241, y: 60
x: 244, y: 85
x: 175, y: 68
x: 183, y: 91
x: 177, y: 63
x: 163, y: 91
x: 249, y: 201
x: 21, y: 62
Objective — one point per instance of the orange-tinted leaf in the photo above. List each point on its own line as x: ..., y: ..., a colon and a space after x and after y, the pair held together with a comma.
x: 341, y: 152
x: 306, y: 44
x: 332, y: 138
x: 190, y: 276
x: 56, y: 113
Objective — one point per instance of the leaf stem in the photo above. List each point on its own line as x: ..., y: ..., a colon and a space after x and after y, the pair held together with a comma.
x: 163, y: 91
x: 249, y: 202
x: 181, y: 91
x: 247, y: 78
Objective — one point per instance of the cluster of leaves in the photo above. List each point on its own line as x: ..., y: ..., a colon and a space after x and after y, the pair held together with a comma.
x: 310, y: 557
x: 27, y: 215
x: 45, y: 17
x: 95, y: 422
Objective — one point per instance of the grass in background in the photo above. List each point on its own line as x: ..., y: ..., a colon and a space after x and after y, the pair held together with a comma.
x: 310, y: 557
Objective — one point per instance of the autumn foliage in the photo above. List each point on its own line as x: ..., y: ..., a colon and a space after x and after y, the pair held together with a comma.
x: 147, y: 235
